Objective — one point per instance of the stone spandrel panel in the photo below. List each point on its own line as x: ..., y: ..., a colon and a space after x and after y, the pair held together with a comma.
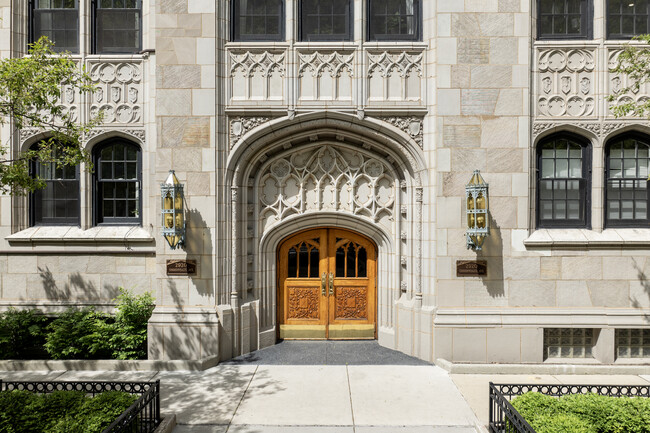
x: 325, y: 76
x: 326, y: 179
x: 566, y: 82
x: 616, y: 82
x: 395, y: 77
x: 256, y: 76
x: 119, y: 91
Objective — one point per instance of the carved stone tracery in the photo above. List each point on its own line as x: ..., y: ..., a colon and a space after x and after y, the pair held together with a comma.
x: 119, y: 91
x: 326, y: 179
x: 566, y: 81
x: 411, y: 125
x: 241, y: 125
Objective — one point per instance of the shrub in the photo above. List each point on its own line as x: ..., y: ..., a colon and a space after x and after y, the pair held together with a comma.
x: 74, y: 334
x: 584, y: 413
x: 129, y: 339
x: 22, y: 334
x: 60, y: 411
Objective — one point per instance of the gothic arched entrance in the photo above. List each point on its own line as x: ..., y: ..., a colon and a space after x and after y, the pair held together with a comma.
x: 327, y: 285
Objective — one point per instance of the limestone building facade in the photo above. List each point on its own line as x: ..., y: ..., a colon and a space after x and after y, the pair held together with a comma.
x: 325, y: 147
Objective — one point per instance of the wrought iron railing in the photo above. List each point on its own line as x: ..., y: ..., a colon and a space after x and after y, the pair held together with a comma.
x: 143, y: 416
x: 504, y: 418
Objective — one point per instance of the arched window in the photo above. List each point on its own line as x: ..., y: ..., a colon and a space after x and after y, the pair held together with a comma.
x: 626, y: 174
x: 58, y: 202
x: 563, y: 182
x: 118, y: 180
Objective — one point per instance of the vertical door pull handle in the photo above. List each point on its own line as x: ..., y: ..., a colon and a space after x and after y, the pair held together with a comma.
x: 323, y: 279
x: 331, y: 284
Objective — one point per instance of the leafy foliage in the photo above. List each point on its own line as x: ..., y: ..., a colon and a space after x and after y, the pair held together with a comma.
x: 73, y: 334
x: 22, y: 333
x: 129, y: 339
x: 30, y: 90
x: 60, y: 411
x: 588, y: 413
x: 634, y: 62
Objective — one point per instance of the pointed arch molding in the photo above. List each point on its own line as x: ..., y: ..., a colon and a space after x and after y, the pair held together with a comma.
x: 286, y: 174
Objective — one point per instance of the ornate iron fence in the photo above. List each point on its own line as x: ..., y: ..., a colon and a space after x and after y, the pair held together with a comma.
x: 143, y: 416
x: 504, y: 418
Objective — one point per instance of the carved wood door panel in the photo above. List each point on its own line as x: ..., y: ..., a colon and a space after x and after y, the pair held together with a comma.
x: 326, y: 285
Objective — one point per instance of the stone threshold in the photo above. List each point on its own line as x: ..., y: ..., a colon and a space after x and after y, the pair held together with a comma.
x: 109, y: 365
x: 545, y: 368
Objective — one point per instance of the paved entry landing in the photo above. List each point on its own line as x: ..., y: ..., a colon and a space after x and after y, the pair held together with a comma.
x: 356, y: 352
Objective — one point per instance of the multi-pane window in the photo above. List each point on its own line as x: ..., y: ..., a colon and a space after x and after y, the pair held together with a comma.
x: 568, y: 343
x: 395, y: 20
x: 117, y: 183
x: 326, y: 20
x: 58, y: 202
x: 627, y: 18
x: 562, y: 182
x: 633, y: 343
x: 563, y: 19
x: 258, y: 20
x: 627, y: 173
x: 118, y: 26
x: 59, y: 21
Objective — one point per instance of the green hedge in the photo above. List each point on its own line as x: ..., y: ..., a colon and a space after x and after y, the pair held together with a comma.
x: 60, y: 411
x: 584, y: 413
x: 79, y: 333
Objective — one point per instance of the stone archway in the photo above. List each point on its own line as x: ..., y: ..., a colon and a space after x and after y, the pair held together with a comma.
x: 332, y: 170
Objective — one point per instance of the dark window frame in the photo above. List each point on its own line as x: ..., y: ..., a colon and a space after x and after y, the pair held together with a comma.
x: 95, y: 29
x: 587, y: 18
x: 347, y: 37
x: 98, y: 218
x: 624, y: 36
x: 235, y: 34
x: 372, y: 36
x: 585, y: 192
x: 34, y: 196
x: 32, y: 37
x: 627, y: 223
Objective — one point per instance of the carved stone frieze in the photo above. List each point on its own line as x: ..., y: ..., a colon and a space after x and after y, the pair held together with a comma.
x: 617, y: 82
x: 601, y: 129
x: 26, y: 133
x: 241, y: 125
x: 566, y: 82
x: 409, y: 124
x: 119, y: 91
x: 256, y: 75
x: 395, y: 76
x: 318, y: 63
x: 325, y: 178
x: 325, y: 76
x: 140, y: 134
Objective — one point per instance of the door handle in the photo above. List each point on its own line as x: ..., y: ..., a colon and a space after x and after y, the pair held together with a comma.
x: 323, y: 278
x: 331, y: 284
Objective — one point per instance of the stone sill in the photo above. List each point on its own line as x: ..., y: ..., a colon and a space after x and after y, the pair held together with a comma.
x: 583, y: 238
x: 70, y: 234
x: 540, y: 368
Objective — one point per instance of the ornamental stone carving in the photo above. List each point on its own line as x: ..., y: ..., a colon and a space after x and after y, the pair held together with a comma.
x: 566, y: 81
x: 395, y: 76
x: 325, y: 178
x: 241, y: 125
x: 325, y: 76
x: 119, y: 91
x: 410, y: 125
x: 140, y: 134
x: 616, y: 82
x: 256, y: 76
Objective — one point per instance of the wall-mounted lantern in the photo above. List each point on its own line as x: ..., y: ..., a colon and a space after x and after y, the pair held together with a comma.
x: 173, y: 215
x: 476, y: 192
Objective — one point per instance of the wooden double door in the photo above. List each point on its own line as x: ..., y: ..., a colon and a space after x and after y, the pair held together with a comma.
x: 327, y: 285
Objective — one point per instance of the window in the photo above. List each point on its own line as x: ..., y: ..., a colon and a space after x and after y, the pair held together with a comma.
x: 117, y: 26
x: 117, y: 183
x: 326, y: 20
x: 626, y: 18
x: 563, y: 19
x: 563, y: 182
x: 394, y: 20
x: 258, y: 20
x: 626, y: 173
x: 58, y: 202
x: 58, y: 20
x: 633, y: 343
x: 568, y: 343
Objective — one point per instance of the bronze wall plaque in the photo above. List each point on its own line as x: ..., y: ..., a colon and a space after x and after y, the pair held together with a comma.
x: 471, y: 268
x: 181, y: 267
